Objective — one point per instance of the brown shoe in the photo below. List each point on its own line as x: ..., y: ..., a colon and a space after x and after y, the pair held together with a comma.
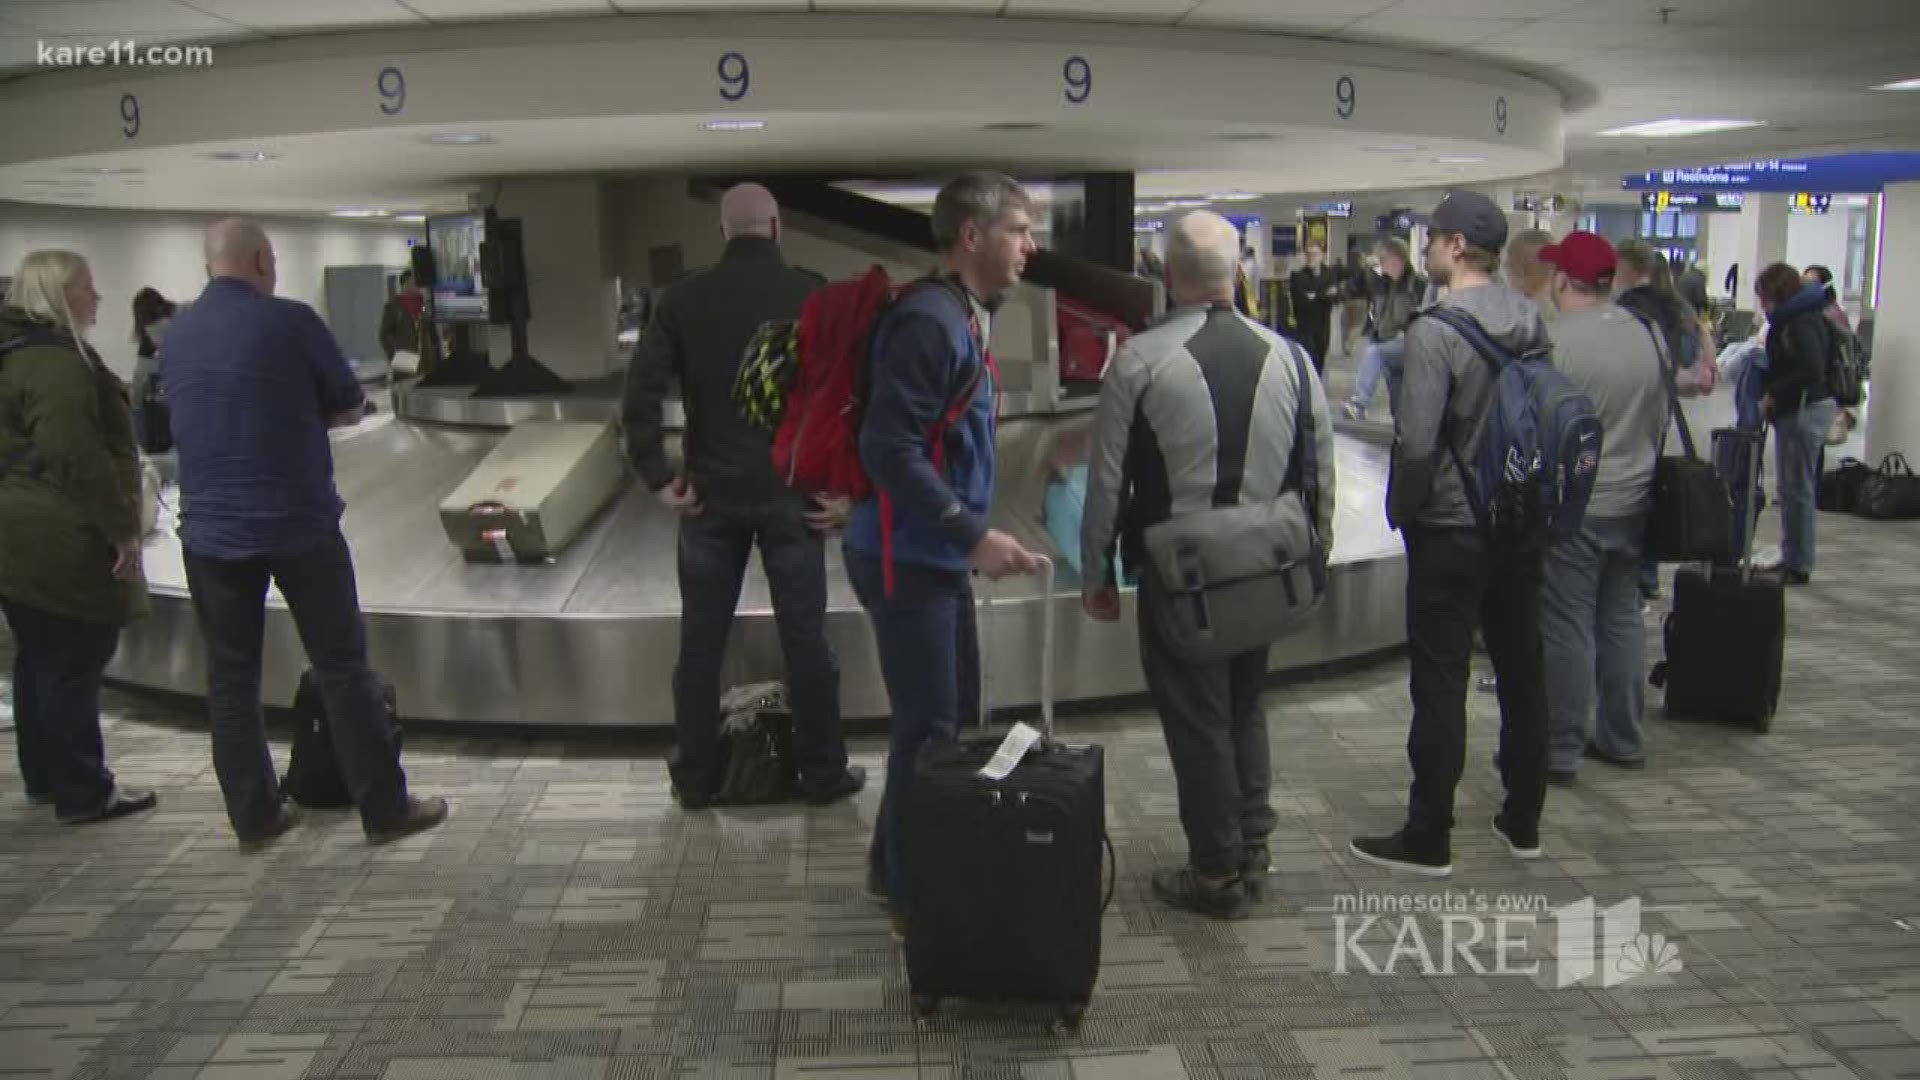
x: 422, y: 814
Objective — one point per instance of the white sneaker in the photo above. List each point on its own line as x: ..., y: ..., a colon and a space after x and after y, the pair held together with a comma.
x: 1767, y: 558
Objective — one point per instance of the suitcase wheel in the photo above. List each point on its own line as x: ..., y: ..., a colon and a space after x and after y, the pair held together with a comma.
x: 1068, y: 1022
x: 924, y: 1006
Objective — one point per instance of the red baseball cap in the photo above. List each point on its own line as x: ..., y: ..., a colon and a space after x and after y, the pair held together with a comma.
x: 1583, y: 256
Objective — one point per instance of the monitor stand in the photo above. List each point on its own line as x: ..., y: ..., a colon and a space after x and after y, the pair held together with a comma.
x: 463, y: 366
x: 521, y: 375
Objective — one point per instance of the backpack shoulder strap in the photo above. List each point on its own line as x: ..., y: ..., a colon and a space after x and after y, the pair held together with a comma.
x: 1303, y: 468
x: 1469, y: 328
x: 1672, y: 386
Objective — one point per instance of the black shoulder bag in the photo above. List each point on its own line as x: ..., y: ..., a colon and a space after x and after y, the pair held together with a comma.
x: 1691, y: 519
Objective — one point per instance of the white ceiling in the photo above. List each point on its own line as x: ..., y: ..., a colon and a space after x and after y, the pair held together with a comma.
x: 1805, y: 67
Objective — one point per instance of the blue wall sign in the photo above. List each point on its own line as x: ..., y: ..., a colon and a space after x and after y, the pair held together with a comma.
x: 1335, y: 209
x: 1861, y: 173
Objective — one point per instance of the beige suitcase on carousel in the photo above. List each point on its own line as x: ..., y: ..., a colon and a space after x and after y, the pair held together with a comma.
x: 529, y: 498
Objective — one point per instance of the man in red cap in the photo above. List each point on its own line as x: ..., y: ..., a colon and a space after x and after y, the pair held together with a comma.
x: 1590, y: 625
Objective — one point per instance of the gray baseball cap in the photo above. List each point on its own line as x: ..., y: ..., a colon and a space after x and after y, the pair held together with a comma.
x: 1473, y: 216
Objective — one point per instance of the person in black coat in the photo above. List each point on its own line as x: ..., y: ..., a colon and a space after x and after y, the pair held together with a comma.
x: 1798, y: 403
x: 1315, y: 288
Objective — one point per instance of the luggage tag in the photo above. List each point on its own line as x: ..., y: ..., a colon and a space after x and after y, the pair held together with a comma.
x: 1012, y: 749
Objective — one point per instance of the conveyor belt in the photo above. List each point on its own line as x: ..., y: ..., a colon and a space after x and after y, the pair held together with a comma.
x: 591, y: 637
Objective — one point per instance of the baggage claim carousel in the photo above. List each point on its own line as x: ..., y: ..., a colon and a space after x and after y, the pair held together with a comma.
x: 590, y: 638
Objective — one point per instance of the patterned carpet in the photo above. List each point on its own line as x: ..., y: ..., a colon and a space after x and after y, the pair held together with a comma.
x: 568, y: 922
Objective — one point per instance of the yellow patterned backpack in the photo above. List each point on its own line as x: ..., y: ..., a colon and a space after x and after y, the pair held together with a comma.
x: 766, y: 374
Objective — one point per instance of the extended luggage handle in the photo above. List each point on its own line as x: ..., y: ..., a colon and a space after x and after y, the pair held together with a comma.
x: 1756, y: 454
x: 1046, y: 650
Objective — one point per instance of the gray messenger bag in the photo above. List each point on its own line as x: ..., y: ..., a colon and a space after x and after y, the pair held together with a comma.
x: 1238, y: 578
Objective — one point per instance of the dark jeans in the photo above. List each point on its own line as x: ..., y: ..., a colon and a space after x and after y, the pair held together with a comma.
x: 930, y: 660
x: 229, y: 596
x: 1217, y: 740
x: 1316, y: 333
x: 1453, y: 585
x: 714, y: 549
x: 57, y: 665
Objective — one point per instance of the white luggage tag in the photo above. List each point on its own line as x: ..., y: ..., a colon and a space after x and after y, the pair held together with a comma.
x: 1012, y: 749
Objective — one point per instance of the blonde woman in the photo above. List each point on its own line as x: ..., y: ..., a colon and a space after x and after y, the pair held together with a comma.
x: 69, y: 533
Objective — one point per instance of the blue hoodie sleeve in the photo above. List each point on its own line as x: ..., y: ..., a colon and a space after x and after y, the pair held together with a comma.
x: 911, y: 387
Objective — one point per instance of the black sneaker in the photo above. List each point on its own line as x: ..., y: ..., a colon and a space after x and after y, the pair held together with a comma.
x: 1561, y: 777
x: 1521, y: 843
x: 422, y: 814
x: 689, y: 802
x: 850, y: 783
x: 1597, y: 754
x: 120, y: 802
x: 1185, y: 890
x: 1397, y: 853
x: 1256, y: 867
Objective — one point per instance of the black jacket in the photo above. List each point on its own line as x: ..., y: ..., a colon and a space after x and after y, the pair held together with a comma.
x: 1314, y: 294
x: 699, y: 331
x: 1798, y: 337
x: 1391, y: 304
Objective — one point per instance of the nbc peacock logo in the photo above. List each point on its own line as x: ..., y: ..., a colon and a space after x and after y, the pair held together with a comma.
x: 1609, y: 942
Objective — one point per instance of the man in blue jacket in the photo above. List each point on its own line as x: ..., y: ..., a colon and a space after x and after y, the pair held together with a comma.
x: 927, y: 442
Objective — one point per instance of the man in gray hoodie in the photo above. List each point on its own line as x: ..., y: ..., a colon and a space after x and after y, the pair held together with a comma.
x: 1457, y: 579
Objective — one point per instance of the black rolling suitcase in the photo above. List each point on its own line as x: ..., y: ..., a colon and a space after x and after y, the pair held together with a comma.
x: 313, y: 769
x: 1006, y: 883
x: 1726, y: 635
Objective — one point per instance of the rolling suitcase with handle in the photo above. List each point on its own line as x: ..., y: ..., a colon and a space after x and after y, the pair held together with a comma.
x: 1007, y: 892
x: 1726, y: 635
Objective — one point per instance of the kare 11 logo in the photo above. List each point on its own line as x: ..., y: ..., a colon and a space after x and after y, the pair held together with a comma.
x: 1480, y: 934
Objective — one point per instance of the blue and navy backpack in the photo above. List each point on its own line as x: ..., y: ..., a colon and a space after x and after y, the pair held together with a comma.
x: 1540, y: 451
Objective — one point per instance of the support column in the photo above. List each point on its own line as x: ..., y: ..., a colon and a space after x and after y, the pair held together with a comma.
x: 1761, y: 241
x: 1893, y: 408
x: 570, y: 290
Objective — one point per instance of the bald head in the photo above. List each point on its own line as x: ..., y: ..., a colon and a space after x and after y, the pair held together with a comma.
x: 749, y: 210
x: 239, y: 248
x: 1203, y: 249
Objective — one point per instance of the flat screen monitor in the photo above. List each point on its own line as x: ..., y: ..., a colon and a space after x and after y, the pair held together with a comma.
x: 459, y: 288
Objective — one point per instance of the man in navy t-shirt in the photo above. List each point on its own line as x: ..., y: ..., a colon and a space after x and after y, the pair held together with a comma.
x: 254, y: 383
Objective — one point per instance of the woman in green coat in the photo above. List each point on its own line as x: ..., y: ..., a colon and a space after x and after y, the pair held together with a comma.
x: 69, y: 534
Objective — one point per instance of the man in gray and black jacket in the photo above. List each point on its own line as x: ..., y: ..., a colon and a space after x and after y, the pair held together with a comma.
x: 1197, y: 413
x: 1456, y: 579
x: 729, y: 498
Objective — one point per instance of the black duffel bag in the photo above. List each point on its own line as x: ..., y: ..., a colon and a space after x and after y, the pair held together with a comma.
x: 1691, y: 519
x: 1892, y: 492
x: 1840, y: 489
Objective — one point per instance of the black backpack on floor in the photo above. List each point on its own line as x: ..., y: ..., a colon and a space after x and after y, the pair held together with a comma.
x: 313, y: 771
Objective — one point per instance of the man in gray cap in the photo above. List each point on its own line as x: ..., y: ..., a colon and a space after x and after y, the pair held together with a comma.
x: 1457, y: 580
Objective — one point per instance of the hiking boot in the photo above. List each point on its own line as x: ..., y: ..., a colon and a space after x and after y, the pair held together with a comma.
x: 422, y: 814
x: 1185, y: 889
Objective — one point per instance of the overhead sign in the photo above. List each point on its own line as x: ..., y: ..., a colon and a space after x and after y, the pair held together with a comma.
x: 1400, y: 221
x: 1864, y: 173
x: 1810, y: 202
x: 1699, y: 202
x: 1340, y: 209
x: 1542, y: 202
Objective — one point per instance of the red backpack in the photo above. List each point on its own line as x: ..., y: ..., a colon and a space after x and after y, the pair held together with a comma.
x: 816, y: 448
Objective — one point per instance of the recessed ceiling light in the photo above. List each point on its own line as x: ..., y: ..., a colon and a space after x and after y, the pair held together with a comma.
x: 1678, y: 128
x: 1463, y: 159
x: 734, y: 125
x: 1013, y: 125
x: 359, y: 213
x: 1903, y: 84
x: 239, y: 155
x: 1391, y: 148
x: 411, y: 219
x: 85, y: 170
x: 458, y: 138
x: 1187, y: 204
x: 1233, y: 196
x: 1247, y: 136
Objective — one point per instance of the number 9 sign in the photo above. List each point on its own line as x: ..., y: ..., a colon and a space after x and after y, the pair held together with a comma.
x: 1078, y: 74
x: 736, y: 78
x: 1345, y: 97
x: 1500, y: 115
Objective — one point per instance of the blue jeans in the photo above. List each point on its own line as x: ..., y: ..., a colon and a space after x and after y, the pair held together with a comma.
x: 930, y: 660
x: 229, y: 596
x: 1799, y: 441
x: 1594, y: 641
x: 57, y: 665
x: 714, y: 548
x: 1382, y: 358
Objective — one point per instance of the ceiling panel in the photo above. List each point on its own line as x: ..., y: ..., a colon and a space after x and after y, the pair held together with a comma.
x: 113, y: 18
x: 471, y: 10
x: 958, y: 7
x: 293, y: 15
x: 657, y: 7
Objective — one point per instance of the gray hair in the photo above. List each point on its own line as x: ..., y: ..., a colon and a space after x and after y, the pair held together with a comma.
x: 976, y: 197
x: 1203, y: 251
x: 234, y: 241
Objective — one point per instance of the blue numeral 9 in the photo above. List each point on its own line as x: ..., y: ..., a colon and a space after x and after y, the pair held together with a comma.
x: 130, y: 113
x: 1500, y: 115
x: 736, y: 76
x: 1345, y: 96
x: 393, y: 90
x: 1079, y: 76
